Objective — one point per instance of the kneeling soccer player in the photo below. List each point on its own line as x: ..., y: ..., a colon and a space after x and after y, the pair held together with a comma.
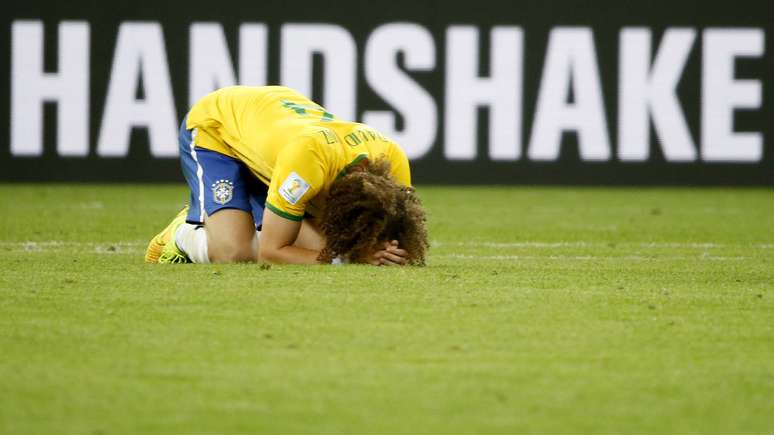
x: 276, y: 178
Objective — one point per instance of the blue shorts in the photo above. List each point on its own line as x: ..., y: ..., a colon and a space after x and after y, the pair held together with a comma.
x: 218, y: 181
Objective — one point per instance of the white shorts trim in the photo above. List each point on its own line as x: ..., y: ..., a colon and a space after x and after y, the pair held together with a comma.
x: 199, y: 175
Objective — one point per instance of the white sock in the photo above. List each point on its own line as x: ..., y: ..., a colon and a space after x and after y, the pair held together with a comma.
x: 192, y: 239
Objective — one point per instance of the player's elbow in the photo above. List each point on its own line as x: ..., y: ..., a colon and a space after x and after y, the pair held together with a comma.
x: 269, y: 254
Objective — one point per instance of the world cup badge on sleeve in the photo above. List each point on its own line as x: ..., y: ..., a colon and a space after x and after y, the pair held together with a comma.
x: 293, y: 188
x: 222, y: 191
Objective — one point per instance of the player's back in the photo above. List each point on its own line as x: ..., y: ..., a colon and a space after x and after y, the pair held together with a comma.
x: 255, y: 124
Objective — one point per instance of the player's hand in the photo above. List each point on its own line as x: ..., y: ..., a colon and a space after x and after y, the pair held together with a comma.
x: 390, y: 255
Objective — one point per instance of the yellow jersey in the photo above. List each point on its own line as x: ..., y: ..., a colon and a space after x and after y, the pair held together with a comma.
x: 290, y: 143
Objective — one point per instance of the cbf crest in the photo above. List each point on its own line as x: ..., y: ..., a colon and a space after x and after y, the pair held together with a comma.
x: 222, y: 191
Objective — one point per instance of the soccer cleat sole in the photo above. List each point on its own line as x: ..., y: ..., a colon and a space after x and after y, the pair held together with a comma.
x: 153, y: 252
x: 157, y: 243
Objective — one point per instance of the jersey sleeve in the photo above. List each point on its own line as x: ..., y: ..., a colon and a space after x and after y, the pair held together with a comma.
x: 399, y: 166
x: 297, y: 178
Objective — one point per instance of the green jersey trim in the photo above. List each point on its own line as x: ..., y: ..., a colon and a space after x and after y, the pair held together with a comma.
x: 353, y: 163
x: 284, y: 214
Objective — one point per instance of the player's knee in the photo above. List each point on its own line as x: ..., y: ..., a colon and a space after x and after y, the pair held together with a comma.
x: 233, y: 253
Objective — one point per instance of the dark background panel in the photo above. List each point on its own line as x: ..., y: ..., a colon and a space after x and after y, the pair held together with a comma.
x: 537, y: 18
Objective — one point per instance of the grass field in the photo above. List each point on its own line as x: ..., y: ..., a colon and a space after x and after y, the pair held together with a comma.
x: 542, y: 310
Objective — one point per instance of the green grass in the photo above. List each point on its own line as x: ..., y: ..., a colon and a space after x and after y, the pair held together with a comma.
x: 542, y: 310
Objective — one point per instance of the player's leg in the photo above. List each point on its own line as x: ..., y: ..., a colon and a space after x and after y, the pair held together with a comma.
x: 231, y: 236
x: 162, y: 248
x: 221, y: 239
x: 217, y: 184
x: 218, y: 225
x: 226, y: 209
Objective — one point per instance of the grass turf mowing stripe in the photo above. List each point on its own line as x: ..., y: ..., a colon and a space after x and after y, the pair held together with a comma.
x: 586, y: 311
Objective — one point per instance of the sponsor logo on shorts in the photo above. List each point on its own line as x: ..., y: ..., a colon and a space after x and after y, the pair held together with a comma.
x: 222, y: 191
x: 293, y: 188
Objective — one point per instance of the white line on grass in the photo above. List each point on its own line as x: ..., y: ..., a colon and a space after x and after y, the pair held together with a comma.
x: 139, y: 247
x: 61, y: 245
x: 583, y: 244
x: 589, y: 257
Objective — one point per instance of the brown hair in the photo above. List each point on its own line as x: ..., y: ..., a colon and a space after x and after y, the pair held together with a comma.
x: 367, y: 207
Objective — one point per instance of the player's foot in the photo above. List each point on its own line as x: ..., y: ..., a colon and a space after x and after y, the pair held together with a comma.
x: 162, y: 248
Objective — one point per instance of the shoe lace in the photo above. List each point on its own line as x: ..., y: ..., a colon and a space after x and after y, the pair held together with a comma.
x: 173, y: 257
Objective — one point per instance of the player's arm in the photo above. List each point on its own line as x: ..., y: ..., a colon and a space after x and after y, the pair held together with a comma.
x: 277, y: 238
x: 392, y: 253
x: 298, y: 177
x: 399, y: 166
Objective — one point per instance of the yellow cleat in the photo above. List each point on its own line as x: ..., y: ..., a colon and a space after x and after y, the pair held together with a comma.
x: 162, y: 248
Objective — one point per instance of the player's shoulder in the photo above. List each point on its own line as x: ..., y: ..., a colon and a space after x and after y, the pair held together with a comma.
x: 356, y: 134
x: 250, y: 92
x: 383, y: 147
x: 309, y: 146
x: 233, y: 91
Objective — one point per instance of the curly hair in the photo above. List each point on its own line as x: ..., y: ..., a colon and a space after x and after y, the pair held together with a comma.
x: 367, y: 207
